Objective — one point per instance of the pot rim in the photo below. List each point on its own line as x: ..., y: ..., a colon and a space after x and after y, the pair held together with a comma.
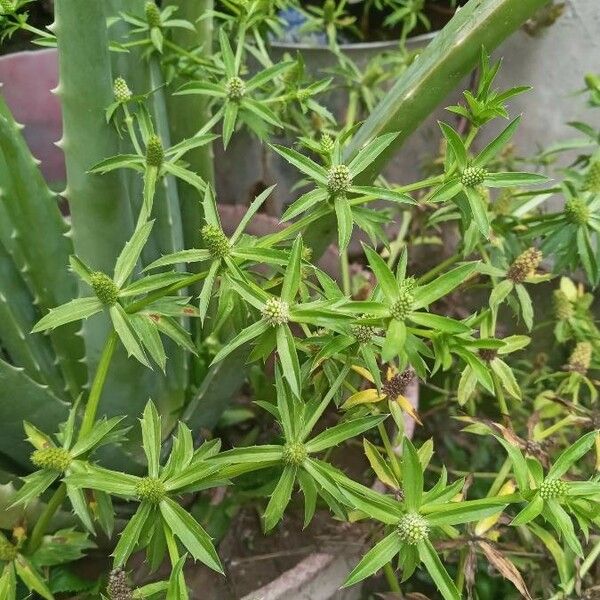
x: 417, y: 40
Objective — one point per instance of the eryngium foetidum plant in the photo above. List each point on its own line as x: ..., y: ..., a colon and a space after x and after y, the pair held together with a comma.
x: 143, y: 292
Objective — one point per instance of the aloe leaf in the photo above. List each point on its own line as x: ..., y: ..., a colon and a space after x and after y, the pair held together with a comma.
x: 36, y: 404
x: 454, y: 51
x: 30, y: 208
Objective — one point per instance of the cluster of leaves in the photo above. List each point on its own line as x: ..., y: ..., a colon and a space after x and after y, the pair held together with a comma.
x: 343, y: 361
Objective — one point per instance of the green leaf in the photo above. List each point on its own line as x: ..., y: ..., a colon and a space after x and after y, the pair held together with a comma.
x: 500, y: 292
x: 345, y: 222
x: 513, y: 179
x: 32, y: 579
x: 269, y: 74
x: 339, y: 433
x: 111, y: 482
x: 438, y: 572
x: 227, y: 54
x: 439, y: 323
x: 520, y: 468
x: 531, y: 511
x: 34, y: 486
x: 207, y: 289
x: 75, y: 310
x: 191, y: 534
x: 383, y: 274
x: 250, y: 212
x: 176, y: 589
x: 369, y: 153
x: 381, y: 554
x: 303, y: 163
x: 183, y: 256
x: 456, y: 513
x: 412, y: 476
x: 286, y: 350
x: 127, y: 334
x: 280, y: 497
x: 571, y: 455
x: 526, y: 305
x: 291, y: 278
x: 8, y: 583
x: 131, y: 253
x: 564, y: 525
x: 309, y: 490
x: 379, y: 465
x: 305, y: 202
x: 448, y: 190
x: 478, y: 206
x: 456, y: 144
x: 426, y: 294
x: 507, y: 377
x: 382, y: 193
x: 151, y: 438
x: 497, y: 144
x: 395, y: 337
x: 101, y: 430
x: 229, y: 119
x: 130, y: 536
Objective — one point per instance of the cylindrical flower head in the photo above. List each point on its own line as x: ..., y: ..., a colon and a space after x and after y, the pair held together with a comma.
x: 151, y: 490
x: 592, y: 178
x: 215, y: 240
x: 524, y: 265
x: 473, y: 176
x: 104, y: 287
x: 8, y: 551
x: 52, y: 459
x: 413, y: 528
x: 7, y: 6
x: 338, y: 179
x: 276, y: 312
x: 121, y: 90
x: 154, y: 152
x: 118, y: 587
x: 236, y: 88
x: 152, y: 14
x: 581, y: 357
x: 577, y: 211
x: 563, y: 308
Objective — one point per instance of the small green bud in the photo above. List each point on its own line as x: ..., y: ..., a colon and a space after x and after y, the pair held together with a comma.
x: 524, y: 265
x: 7, y: 7
x: 118, y: 587
x: 413, y: 528
x: 104, y: 287
x: 473, y: 176
x: 121, y: 90
x: 53, y: 459
x: 592, y: 178
x: 563, y: 308
x: 577, y: 211
x: 8, y: 552
x: 363, y: 333
x: 215, y: 241
x: 151, y: 489
x: 235, y: 88
x: 152, y: 14
x: 580, y: 358
x: 294, y: 453
x: 553, y: 488
x: 338, y: 179
x: 276, y: 312
x: 155, y: 153
x: 396, y: 385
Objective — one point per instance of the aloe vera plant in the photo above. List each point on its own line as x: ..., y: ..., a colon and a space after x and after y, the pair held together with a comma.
x: 137, y: 302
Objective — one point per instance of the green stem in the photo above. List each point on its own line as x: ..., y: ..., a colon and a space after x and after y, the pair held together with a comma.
x: 42, y: 523
x: 500, y: 395
x: 391, y: 578
x: 390, y: 451
x: 500, y: 478
x: 91, y: 408
x: 176, y: 48
x: 433, y: 273
x: 131, y: 130
x: 345, y: 267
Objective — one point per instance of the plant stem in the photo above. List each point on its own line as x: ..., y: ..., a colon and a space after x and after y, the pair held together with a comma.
x: 500, y: 478
x: 391, y: 578
x: 345, y: 267
x: 390, y: 451
x: 501, y: 397
x: 42, y: 523
x: 91, y: 408
x: 432, y: 274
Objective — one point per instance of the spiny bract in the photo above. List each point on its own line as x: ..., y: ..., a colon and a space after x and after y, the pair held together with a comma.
x: 524, y: 265
x: 236, y: 88
x: 104, y: 287
x: 215, y: 240
x: 151, y: 490
x: 473, y: 176
x: 276, y: 312
x: 155, y: 153
x: 553, y: 488
x: 294, y: 453
x: 413, y: 528
x: 53, y: 459
x: 121, y: 90
x: 338, y: 179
